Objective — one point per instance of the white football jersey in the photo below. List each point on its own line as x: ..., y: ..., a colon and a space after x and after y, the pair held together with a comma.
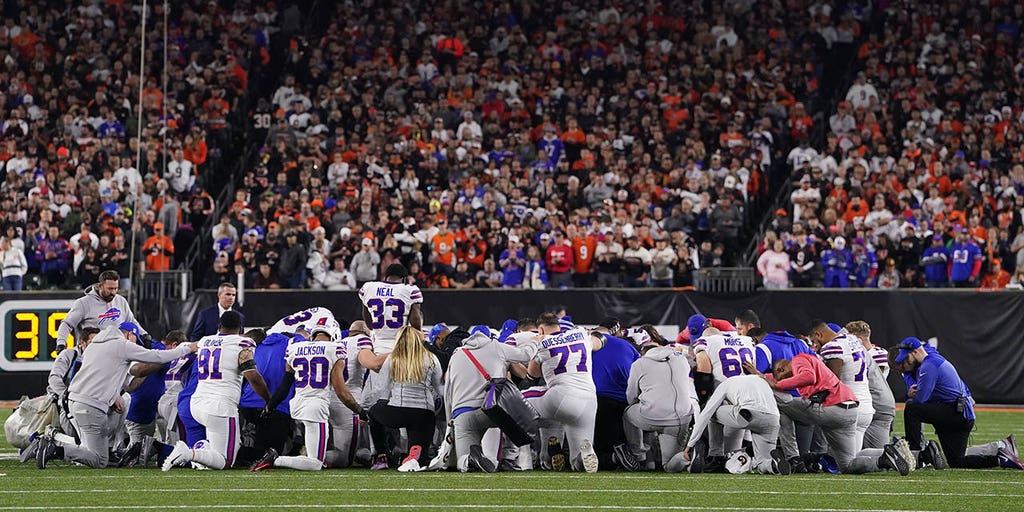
x: 312, y: 362
x: 881, y: 357
x: 306, y: 319
x: 220, y: 380
x: 523, y: 339
x: 564, y: 359
x: 727, y: 352
x: 638, y: 335
x: 389, y: 305
x: 855, y: 364
x: 172, y: 379
x: 354, y: 372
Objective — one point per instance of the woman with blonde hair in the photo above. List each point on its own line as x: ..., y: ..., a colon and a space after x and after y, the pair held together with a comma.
x: 411, y: 380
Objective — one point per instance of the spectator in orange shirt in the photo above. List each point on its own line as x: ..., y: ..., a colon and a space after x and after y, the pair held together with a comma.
x: 996, y: 278
x: 195, y: 147
x: 583, y: 248
x: 442, y: 248
x: 158, y: 250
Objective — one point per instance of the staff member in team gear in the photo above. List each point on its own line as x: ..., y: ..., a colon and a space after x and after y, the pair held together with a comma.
x: 95, y: 393
x: 744, y: 402
x: 828, y: 403
x: 208, y: 319
x: 316, y: 369
x: 659, y: 393
x: 466, y: 390
x: 222, y: 362
x: 410, y: 383
x: 611, y: 378
x: 101, y: 307
x: 936, y: 395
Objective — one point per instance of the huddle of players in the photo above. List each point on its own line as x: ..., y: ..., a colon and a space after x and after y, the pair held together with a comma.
x: 705, y: 402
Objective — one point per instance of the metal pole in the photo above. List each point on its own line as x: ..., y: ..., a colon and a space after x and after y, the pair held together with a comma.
x: 240, y: 289
x: 164, y: 106
x: 138, y: 149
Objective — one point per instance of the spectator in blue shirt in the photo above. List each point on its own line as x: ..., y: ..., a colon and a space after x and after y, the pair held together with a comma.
x: 939, y: 397
x: 965, y: 260
x: 935, y: 261
x: 513, y: 264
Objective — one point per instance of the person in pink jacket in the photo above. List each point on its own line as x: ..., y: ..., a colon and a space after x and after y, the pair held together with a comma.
x: 774, y: 266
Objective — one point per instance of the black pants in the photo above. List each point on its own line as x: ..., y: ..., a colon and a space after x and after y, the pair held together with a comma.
x: 274, y: 432
x: 952, y: 429
x: 608, y: 430
x: 418, y: 422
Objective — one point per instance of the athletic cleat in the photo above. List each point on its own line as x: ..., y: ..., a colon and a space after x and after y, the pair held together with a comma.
x: 380, y: 463
x: 411, y: 462
x: 625, y: 458
x: 1008, y: 460
x: 797, y: 465
x: 904, y: 447
x: 933, y: 455
x: 30, y: 451
x: 590, y: 461
x: 1011, y: 445
x: 556, y: 454
x: 147, y: 451
x: 698, y: 457
x: 179, y: 456
x: 506, y: 465
x: 47, y: 447
x: 828, y: 464
x: 265, y: 462
x: 892, y: 458
x: 130, y: 456
x: 780, y: 465
x: 715, y: 464
x: 477, y: 460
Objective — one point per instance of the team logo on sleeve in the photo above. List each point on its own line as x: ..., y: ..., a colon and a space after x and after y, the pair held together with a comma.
x: 111, y: 314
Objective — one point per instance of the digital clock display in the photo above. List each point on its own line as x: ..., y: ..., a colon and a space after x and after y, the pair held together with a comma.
x: 29, y: 329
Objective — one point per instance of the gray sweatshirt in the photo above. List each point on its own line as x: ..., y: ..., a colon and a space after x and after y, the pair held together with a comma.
x: 93, y: 311
x: 466, y: 386
x: 57, y: 382
x: 749, y: 392
x: 660, y: 382
x: 105, y: 366
x: 881, y: 394
x: 417, y: 395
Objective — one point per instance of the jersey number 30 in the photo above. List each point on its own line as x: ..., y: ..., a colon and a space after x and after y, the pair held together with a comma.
x: 390, y: 313
x: 314, y: 372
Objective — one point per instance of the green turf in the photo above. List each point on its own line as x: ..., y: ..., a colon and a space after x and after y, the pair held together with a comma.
x: 62, y: 487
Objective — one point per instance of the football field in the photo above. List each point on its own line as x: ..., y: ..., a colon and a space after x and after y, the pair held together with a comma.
x: 63, y: 487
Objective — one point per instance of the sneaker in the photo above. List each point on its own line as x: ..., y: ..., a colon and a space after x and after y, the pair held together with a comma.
x: 380, y: 463
x: 477, y: 460
x: 797, y: 465
x: 780, y: 466
x: 130, y: 456
x: 47, y: 447
x: 904, y: 447
x: 265, y: 462
x: 1008, y: 460
x: 556, y: 454
x: 932, y: 454
x: 1011, y: 445
x: 33, y: 446
x: 147, y: 451
x: 590, y: 461
x: 828, y: 464
x: 505, y: 465
x: 625, y: 458
x: 178, y: 457
x: 892, y: 458
x: 698, y: 457
x: 715, y: 464
x: 361, y: 458
x: 411, y: 462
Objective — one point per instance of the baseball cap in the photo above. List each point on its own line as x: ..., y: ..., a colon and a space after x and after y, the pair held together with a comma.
x: 158, y: 225
x: 367, y: 241
x: 436, y: 331
x: 480, y: 329
x: 834, y: 327
x: 696, y: 324
x: 131, y: 327
x: 907, y: 346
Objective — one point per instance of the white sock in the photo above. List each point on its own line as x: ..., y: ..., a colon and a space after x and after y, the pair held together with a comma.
x: 64, y: 439
x: 300, y: 463
x: 209, y: 458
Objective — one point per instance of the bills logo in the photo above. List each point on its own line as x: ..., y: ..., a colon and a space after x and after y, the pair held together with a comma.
x: 111, y: 314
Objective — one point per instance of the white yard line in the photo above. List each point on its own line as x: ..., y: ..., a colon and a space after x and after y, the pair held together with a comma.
x: 519, y: 489
x: 496, y: 506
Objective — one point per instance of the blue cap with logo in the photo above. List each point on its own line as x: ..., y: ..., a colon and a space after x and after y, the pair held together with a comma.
x: 436, y: 331
x: 696, y: 324
x: 131, y: 327
x: 907, y: 346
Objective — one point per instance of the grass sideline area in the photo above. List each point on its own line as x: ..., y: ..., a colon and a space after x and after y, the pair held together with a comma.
x: 62, y: 487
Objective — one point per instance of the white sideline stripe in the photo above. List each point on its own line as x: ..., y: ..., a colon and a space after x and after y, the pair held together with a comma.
x: 496, y: 506
x: 486, y: 490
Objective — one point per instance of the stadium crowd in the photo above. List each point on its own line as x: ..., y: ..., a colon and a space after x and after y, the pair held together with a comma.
x: 920, y: 181
x: 624, y: 145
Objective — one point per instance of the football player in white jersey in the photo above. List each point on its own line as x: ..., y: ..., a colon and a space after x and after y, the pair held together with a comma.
x: 306, y: 319
x: 722, y: 356
x: 316, y: 367
x: 344, y: 423
x: 222, y: 361
x: 844, y: 355
x: 563, y: 358
x: 388, y: 306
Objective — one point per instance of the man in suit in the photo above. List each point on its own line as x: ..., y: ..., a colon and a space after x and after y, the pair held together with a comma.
x: 209, y: 318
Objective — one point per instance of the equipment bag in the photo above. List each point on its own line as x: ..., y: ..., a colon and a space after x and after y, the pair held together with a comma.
x: 507, y: 408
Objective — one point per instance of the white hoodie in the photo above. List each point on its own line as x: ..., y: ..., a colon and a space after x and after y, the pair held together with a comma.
x: 660, y: 382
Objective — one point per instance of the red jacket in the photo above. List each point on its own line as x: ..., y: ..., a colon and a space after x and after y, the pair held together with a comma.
x: 559, y: 258
x: 810, y: 376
